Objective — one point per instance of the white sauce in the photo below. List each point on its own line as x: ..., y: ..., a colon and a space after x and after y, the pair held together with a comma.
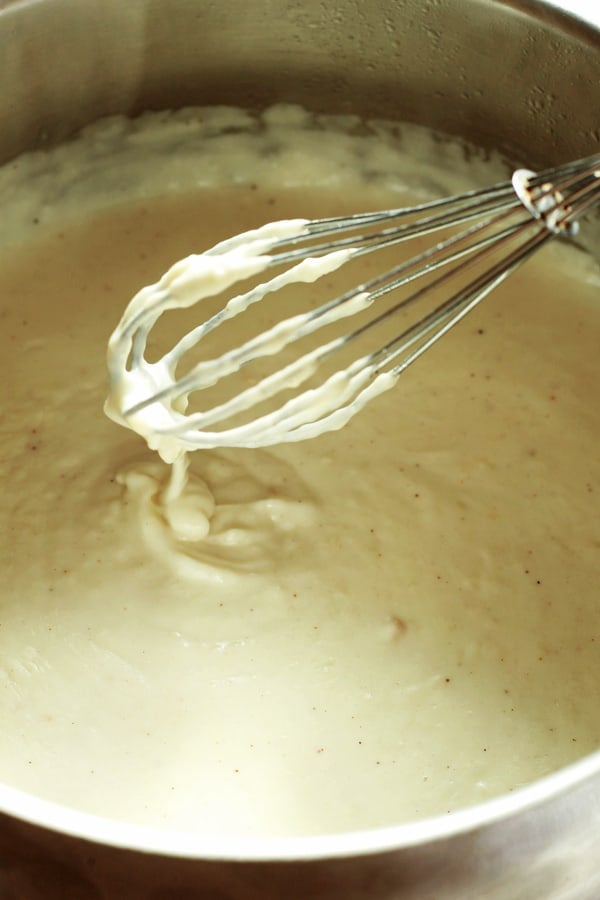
x: 392, y: 621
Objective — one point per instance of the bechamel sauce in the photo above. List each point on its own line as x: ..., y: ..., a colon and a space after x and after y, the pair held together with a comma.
x: 388, y: 622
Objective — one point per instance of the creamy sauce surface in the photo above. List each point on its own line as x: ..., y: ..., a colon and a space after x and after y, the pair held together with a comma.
x: 389, y: 622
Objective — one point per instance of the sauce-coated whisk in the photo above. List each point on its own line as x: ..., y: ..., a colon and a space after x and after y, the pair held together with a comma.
x: 503, y: 226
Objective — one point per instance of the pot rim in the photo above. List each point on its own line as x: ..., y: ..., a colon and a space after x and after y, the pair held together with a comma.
x: 185, y: 844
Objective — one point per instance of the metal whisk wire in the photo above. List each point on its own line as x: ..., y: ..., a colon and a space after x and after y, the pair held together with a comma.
x: 505, y: 224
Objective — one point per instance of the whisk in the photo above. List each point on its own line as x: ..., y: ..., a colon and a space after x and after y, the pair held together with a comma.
x: 501, y: 227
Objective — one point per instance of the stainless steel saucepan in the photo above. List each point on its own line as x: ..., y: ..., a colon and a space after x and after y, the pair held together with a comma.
x: 518, y: 75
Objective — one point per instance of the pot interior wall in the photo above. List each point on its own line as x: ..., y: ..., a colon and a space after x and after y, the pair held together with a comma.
x: 514, y: 75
